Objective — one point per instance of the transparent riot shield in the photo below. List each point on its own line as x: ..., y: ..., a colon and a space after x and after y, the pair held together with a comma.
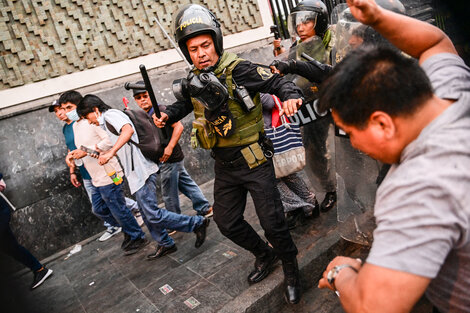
x: 357, y: 174
x: 344, y: 25
x: 317, y: 129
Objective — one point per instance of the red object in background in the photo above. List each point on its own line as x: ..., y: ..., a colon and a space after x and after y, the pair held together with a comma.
x: 275, y: 118
x: 126, y: 102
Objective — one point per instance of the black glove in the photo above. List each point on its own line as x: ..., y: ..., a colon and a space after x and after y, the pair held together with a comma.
x: 285, y: 67
x: 313, y: 70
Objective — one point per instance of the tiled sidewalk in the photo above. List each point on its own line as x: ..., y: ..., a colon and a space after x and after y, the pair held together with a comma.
x: 212, y: 278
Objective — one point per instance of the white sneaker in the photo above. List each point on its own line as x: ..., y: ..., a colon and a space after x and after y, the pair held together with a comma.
x: 110, y: 232
x: 138, y: 217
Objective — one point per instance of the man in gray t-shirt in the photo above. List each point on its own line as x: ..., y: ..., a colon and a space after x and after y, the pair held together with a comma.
x: 417, y: 119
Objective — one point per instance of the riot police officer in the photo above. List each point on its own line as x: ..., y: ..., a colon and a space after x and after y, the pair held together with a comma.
x: 314, y: 70
x: 223, y: 90
x: 309, y: 21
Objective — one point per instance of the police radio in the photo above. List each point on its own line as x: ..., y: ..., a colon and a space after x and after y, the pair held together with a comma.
x: 244, y: 98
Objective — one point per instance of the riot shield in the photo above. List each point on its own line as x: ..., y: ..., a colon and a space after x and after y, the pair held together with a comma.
x: 357, y: 174
x: 317, y: 129
x: 344, y: 25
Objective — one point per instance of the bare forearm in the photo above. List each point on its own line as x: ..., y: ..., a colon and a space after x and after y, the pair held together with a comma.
x: 177, y: 131
x: 414, y: 37
x: 410, y: 35
x: 373, y: 288
x: 349, y: 291
x: 357, y: 296
x: 126, y: 133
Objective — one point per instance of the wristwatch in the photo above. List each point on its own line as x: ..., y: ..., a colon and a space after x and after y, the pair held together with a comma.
x: 331, y: 276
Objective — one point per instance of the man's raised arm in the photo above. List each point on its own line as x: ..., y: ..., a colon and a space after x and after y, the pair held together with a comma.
x: 416, y: 38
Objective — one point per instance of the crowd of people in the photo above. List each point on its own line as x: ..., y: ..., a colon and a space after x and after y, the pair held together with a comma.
x: 402, y: 98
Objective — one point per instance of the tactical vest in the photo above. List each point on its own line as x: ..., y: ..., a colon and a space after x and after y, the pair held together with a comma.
x: 247, y: 125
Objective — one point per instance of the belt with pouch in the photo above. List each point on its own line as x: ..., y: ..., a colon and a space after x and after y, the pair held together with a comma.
x: 252, y: 155
x: 234, y: 163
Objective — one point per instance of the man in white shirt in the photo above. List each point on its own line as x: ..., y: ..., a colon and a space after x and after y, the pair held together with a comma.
x: 141, y: 175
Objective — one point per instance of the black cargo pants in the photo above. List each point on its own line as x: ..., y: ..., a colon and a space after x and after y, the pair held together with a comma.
x: 232, y: 182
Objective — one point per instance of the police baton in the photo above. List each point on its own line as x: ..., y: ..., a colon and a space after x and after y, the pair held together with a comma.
x: 148, y: 87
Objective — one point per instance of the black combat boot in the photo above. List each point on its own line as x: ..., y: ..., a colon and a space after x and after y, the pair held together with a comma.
x: 264, y: 262
x: 291, y: 281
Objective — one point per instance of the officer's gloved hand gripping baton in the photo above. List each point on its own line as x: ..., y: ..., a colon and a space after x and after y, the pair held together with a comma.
x: 148, y: 87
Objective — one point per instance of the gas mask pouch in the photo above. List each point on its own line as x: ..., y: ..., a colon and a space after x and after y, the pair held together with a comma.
x: 208, y: 90
x: 203, y: 134
x: 205, y: 88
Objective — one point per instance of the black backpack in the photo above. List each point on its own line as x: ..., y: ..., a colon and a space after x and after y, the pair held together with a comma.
x: 151, y: 140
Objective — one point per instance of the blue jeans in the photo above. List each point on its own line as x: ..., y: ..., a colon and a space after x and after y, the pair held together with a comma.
x: 8, y: 243
x: 90, y: 189
x: 109, y: 204
x: 159, y: 220
x: 175, y: 178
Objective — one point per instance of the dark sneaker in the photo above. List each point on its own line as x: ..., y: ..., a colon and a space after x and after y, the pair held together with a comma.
x: 329, y: 202
x: 201, y: 232
x: 135, y: 245
x: 126, y: 241
x: 40, y: 277
x: 161, y: 251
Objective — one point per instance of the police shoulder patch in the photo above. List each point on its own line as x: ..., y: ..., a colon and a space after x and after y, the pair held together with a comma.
x: 264, y: 73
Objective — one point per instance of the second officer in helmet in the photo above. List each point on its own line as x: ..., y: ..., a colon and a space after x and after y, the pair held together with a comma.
x: 307, y: 19
x: 223, y: 91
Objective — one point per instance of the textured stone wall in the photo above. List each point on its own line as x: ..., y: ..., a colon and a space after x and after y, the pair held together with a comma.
x: 41, y: 39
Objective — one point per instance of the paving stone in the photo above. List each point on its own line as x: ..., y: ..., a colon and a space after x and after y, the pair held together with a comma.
x: 233, y: 277
x: 186, y: 250
x: 179, y: 279
x: 142, y: 272
x: 106, y: 295
x: 134, y: 302
x: 210, y: 297
x: 41, y: 301
x: 210, y: 262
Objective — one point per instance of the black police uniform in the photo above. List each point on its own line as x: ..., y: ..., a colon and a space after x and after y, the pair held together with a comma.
x: 233, y: 177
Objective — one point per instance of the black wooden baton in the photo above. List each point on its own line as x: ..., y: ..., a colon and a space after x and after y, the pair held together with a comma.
x: 148, y: 87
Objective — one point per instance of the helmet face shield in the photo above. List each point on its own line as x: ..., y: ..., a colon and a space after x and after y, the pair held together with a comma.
x: 301, y: 18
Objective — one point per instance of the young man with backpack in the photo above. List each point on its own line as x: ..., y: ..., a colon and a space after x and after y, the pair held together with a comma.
x: 141, y: 171
x: 174, y: 176
x: 107, y: 198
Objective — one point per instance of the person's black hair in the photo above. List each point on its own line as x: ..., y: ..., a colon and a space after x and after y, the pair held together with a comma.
x: 89, y: 103
x: 373, y: 79
x: 71, y: 96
